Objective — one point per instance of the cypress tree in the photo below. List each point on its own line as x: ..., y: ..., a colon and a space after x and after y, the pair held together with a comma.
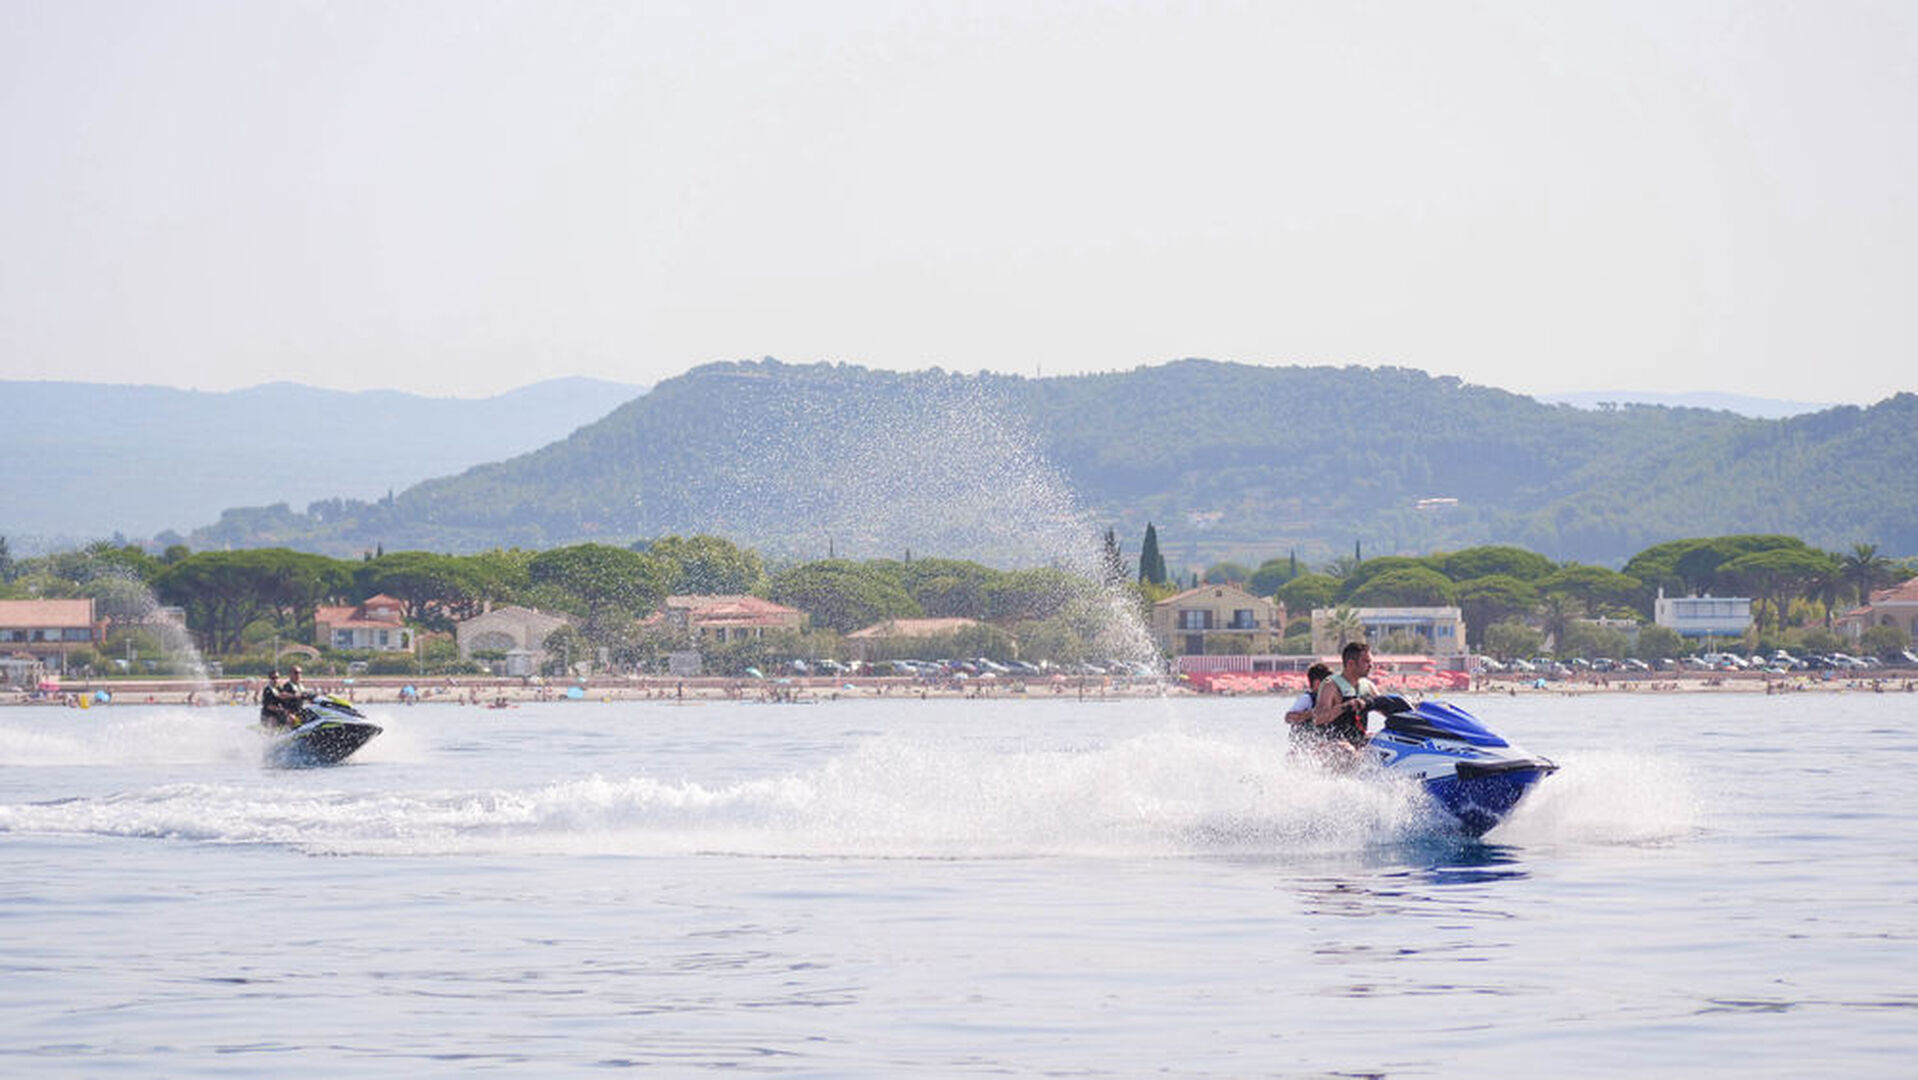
x: 1151, y: 563
x: 1113, y: 560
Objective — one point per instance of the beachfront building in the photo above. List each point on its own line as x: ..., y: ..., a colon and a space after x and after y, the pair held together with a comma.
x: 1703, y: 616
x: 373, y: 625
x: 723, y: 618
x: 887, y: 638
x: 1896, y: 606
x: 1217, y: 619
x: 516, y: 633
x: 48, y: 631
x: 1441, y: 630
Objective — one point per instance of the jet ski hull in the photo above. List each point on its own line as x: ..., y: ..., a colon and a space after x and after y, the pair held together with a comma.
x: 1480, y: 803
x: 1471, y: 773
x: 330, y: 732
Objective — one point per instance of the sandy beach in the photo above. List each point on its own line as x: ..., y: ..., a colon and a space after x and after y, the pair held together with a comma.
x: 509, y: 692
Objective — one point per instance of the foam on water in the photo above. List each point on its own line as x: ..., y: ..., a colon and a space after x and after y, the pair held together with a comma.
x: 146, y: 737
x: 1609, y: 797
x: 1164, y: 793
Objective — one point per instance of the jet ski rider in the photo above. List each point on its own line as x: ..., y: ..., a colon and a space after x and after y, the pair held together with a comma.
x: 1339, y: 716
x: 294, y: 697
x: 1298, y: 719
x: 272, y: 707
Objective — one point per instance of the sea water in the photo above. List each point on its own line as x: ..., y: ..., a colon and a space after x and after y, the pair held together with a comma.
x: 1713, y: 884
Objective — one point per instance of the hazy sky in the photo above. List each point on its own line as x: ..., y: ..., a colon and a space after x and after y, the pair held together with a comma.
x: 464, y: 197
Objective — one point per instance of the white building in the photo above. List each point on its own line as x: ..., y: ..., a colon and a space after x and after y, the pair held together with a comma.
x: 1703, y: 616
x: 1442, y: 629
x: 374, y: 625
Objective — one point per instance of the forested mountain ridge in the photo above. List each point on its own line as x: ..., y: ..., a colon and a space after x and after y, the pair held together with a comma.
x: 799, y: 460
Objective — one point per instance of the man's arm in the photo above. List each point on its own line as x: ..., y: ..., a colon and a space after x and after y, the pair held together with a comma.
x: 1327, y: 709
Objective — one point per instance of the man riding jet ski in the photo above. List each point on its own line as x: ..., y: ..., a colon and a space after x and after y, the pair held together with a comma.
x: 313, y: 728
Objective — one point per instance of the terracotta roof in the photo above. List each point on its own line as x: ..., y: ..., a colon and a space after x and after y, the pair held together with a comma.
x: 1905, y: 593
x: 742, y: 620
x: 729, y: 604
x: 913, y: 628
x: 46, y: 613
x: 349, y: 616
x: 1176, y: 597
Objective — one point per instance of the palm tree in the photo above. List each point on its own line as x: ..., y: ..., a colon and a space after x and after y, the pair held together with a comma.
x: 1864, y: 570
x: 1556, y: 614
x: 1345, y: 626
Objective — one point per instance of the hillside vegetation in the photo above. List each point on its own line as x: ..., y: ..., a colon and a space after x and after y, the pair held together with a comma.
x: 804, y: 461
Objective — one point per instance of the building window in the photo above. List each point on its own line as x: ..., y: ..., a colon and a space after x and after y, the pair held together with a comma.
x: 1195, y: 619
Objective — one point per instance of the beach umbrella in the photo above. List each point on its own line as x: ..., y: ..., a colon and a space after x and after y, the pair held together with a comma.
x: 575, y: 693
x: 102, y: 696
x: 755, y: 673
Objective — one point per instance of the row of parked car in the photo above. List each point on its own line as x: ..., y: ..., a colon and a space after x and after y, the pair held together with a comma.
x: 1783, y: 661
x: 1779, y: 662
x: 973, y: 668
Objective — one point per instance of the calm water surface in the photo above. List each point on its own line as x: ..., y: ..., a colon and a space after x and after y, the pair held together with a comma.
x: 1713, y: 884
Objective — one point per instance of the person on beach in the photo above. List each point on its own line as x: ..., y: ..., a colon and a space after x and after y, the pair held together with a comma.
x: 1339, y: 717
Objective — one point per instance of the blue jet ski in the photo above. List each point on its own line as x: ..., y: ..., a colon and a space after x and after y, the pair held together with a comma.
x: 1468, y: 770
x: 330, y: 729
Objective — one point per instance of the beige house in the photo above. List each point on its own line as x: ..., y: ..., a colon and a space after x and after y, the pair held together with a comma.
x: 48, y: 630
x: 863, y: 641
x: 519, y: 633
x: 1203, y: 620
x: 721, y: 619
x: 1896, y: 606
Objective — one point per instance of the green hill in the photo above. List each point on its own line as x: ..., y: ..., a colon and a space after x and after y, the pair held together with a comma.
x: 1229, y: 460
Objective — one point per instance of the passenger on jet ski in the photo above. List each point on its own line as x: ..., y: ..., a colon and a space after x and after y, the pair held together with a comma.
x: 273, y: 711
x: 1298, y: 718
x: 1338, y: 720
x: 292, y: 700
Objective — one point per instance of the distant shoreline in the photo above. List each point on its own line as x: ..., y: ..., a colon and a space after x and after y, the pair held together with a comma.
x: 485, y: 691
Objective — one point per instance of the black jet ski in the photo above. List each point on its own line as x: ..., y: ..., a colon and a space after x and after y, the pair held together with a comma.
x: 330, y: 729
